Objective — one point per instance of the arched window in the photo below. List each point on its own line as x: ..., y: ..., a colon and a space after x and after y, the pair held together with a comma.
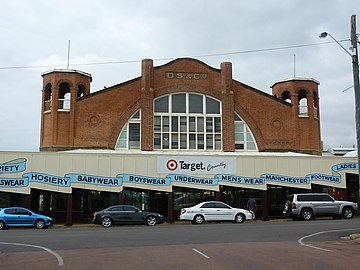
x: 64, y: 97
x: 81, y: 91
x: 303, y: 106
x: 187, y: 121
x: 130, y: 135
x: 244, y: 140
x: 48, y: 97
x: 286, y: 96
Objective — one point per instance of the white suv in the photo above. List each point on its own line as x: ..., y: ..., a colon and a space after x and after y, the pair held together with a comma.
x: 308, y: 205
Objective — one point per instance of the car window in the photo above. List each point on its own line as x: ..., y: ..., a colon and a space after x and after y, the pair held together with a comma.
x: 307, y: 198
x: 326, y: 198
x: 129, y: 208
x: 22, y: 212
x: 10, y: 211
x: 290, y: 198
x: 116, y: 208
x: 221, y: 205
x: 208, y: 205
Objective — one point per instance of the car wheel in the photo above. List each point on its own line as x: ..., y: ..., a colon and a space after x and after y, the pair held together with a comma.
x: 151, y: 221
x: 106, y: 222
x: 306, y: 214
x: 240, y: 218
x: 2, y: 225
x: 198, y: 219
x: 40, y: 224
x: 348, y: 213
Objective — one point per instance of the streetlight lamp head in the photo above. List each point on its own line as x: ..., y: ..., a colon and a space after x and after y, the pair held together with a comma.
x: 323, y: 35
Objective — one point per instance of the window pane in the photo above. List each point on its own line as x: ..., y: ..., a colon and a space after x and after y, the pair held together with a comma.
x: 123, y: 139
x: 195, y: 103
x: 200, y: 124
x: 239, y: 137
x: 239, y: 146
x: 162, y: 104
x: 165, y: 124
x: 134, y: 136
x: 200, y: 142
x: 239, y: 127
x: 217, y: 124
x: 174, y: 123
x: 209, y: 124
x: 157, y: 141
x: 174, y: 141
x: 212, y: 106
x: 251, y: 146
x: 192, y: 142
x: 249, y: 137
x: 192, y: 124
x: 236, y: 117
x: 157, y: 123
x: 209, y: 142
x: 179, y: 103
x: 183, y: 124
x: 136, y: 115
x: 165, y: 141
x: 183, y: 141
x: 217, y: 142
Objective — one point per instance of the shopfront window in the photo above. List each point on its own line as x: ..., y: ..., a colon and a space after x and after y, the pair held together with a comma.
x: 190, y: 197
x: 187, y: 121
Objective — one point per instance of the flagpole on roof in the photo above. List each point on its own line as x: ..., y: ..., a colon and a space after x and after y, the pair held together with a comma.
x: 68, y: 55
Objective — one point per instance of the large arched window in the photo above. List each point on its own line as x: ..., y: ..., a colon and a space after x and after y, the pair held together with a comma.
x: 187, y: 121
x: 130, y: 135
x: 244, y: 140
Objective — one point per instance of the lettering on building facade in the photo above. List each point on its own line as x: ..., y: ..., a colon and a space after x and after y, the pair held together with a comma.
x: 186, y: 75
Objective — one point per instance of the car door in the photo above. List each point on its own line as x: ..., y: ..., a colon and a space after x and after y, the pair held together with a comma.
x: 10, y: 216
x: 208, y: 211
x: 117, y: 214
x: 24, y: 217
x: 134, y: 215
x: 329, y: 205
x: 223, y: 211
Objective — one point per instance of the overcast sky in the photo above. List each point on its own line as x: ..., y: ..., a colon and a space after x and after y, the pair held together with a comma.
x: 35, y: 35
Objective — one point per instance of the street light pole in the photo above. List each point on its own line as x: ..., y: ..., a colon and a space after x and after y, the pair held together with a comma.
x: 355, y: 67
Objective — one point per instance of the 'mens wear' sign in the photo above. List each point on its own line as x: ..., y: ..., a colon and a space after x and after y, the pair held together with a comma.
x: 196, y: 165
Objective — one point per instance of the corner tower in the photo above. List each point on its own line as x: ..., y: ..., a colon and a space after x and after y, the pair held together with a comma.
x: 60, y: 93
x: 303, y: 95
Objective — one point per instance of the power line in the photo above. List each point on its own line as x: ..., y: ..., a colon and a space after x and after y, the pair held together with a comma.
x: 171, y: 58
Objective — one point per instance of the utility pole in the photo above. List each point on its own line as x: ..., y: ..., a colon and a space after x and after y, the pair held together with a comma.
x: 355, y: 65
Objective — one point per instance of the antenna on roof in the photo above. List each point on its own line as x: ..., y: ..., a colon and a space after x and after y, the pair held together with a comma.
x: 68, y: 55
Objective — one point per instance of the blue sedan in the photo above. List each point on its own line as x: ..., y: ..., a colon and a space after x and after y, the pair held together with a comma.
x: 22, y: 217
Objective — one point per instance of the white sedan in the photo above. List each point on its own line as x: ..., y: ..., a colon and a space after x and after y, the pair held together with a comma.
x: 215, y: 211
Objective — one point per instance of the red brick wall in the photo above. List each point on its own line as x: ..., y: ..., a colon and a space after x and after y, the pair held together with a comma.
x: 98, y: 118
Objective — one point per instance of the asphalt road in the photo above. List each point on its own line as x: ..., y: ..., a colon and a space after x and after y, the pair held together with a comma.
x: 252, y: 245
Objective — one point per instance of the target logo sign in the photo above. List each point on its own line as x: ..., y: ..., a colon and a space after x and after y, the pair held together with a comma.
x: 171, y: 165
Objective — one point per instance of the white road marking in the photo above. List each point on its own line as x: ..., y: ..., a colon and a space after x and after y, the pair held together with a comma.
x: 202, y: 254
x: 58, y: 257
x: 300, y: 241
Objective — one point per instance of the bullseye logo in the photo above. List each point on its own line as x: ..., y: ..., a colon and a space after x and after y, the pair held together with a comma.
x: 171, y: 165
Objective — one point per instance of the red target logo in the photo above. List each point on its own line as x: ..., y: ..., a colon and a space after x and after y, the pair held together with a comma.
x: 171, y: 165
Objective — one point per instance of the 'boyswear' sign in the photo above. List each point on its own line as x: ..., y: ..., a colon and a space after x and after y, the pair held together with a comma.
x: 196, y: 165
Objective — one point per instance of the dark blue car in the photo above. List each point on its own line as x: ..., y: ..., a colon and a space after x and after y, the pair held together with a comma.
x: 22, y: 217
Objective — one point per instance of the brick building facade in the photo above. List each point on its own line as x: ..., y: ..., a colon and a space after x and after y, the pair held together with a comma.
x: 179, y: 134
x: 81, y: 119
